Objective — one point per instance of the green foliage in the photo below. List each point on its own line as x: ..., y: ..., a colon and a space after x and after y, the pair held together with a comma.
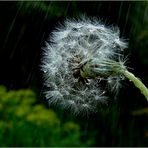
x: 139, y: 30
x: 25, y: 123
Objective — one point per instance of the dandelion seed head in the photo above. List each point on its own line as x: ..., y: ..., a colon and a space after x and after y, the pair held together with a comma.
x: 70, y: 47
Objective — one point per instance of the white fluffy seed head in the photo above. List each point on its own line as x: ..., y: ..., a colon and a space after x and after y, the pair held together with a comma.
x: 71, y: 46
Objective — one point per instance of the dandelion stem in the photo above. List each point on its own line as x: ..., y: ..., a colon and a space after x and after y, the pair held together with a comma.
x: 137, y: 83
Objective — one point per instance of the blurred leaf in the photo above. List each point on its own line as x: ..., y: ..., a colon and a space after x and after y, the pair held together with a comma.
x: 140, y: 112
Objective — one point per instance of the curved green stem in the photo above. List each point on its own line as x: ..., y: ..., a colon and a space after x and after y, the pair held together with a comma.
x: 137, y: 83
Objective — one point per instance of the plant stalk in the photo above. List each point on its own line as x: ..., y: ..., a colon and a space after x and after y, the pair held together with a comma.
x: 137, y: 83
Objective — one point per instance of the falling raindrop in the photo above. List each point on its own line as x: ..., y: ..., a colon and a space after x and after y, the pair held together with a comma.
x: 120, y: 10
x: 126, y: 20
x: 11, y: 26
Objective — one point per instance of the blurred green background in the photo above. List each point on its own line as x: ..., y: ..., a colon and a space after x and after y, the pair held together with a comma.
x: 25, y: 118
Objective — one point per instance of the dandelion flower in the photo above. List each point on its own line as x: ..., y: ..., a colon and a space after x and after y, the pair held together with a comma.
x: 79, y: 54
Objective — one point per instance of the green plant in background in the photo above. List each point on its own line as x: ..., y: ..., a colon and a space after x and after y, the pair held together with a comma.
x: 139, y: 31
x: 25, y: 123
